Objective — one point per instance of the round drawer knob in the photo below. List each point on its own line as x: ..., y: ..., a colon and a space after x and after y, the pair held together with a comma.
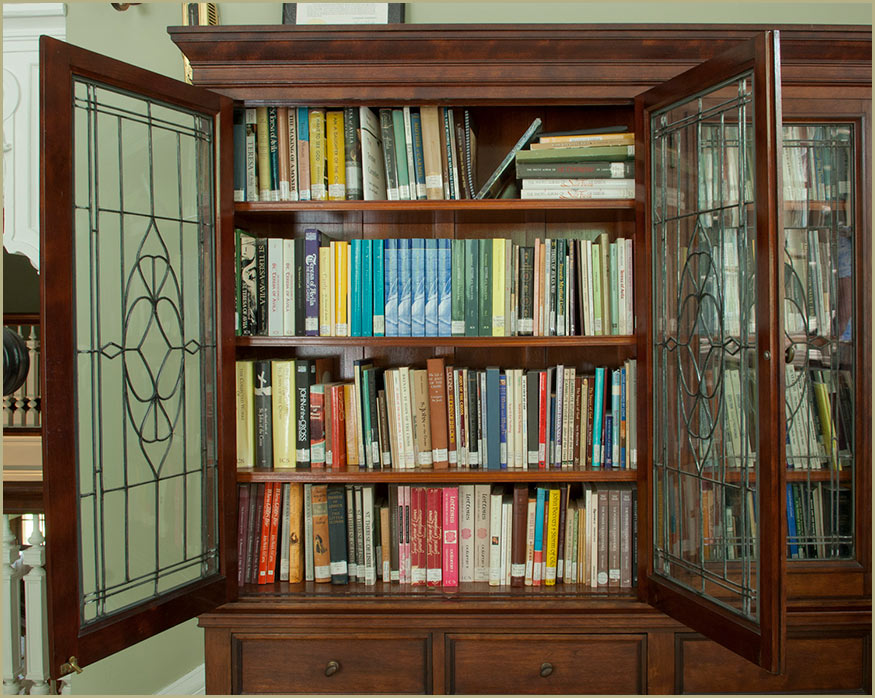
x: 546, y: 669
x: 332, y: 668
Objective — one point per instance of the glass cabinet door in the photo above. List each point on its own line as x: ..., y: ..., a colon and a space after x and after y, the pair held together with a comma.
x: 820, y: 338
x: 712, y: 148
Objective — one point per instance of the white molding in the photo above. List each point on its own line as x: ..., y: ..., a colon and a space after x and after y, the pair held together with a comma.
x: 35, y: 9
x: 192, y: 684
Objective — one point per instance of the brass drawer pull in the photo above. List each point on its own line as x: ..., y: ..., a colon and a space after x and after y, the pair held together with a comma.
x: 332, y: 668
x: 546, y: 669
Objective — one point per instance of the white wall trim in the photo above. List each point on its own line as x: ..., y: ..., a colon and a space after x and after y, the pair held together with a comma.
x: 192, y: 684
x: 34, y: 9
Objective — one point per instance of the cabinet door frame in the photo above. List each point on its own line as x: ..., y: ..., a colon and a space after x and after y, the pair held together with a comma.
x: 761, y: 643
x: 59, y: 63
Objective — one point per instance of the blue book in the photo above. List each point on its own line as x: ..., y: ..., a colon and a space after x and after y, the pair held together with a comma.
x: 539, y: 527
x: 377, y: 261
x: 597, y: 417
x: 609, y: 440
x: 391, y: 287
x: 418, y: 156
x: 417, y: 300
x: 431, y: 288
x: 445, y: 287
x: 303, y: 121
x: 624, y: 424
x: 493, y: 419
x: 615, y: 421
x: 791, y: 523
x: 312, y: 242
x: 502, y: 420
x: 355, y: 292
x: 367, y: 296
x: 405, y: 288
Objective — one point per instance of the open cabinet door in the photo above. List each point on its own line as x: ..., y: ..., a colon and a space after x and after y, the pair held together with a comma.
x: 709, y: 147
x: 139, y: 500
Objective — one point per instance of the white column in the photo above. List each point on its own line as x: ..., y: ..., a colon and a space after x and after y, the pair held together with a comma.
x: 12, y: 660
x: 36, y: 635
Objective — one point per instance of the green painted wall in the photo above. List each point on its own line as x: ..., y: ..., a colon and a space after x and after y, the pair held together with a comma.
x: 139, y: 36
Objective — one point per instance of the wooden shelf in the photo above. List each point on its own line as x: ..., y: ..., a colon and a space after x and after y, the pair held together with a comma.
x: 436, y: 205
x: 626, y: 341
x: 449, y: 476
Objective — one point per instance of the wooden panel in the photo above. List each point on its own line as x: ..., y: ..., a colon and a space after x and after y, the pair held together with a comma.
x: 365, y: 663
x: 574, y: 664
x: 829, y: 663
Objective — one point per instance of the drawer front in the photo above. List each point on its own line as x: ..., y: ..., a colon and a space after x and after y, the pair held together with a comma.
x: 326, y: 663
x: 814, y: 663
x: 530, y: 663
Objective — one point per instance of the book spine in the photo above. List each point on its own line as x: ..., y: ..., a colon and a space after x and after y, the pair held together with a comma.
x: 484, y: 288
x: 317, y: 425
x: 431, y: 143
x: 431, y: 287
x: 336, y: 505
x: 264, y: 534
x: 626, y: 537
x: 418, y: 155
x: 251, y: 144
x: 495, y: 536
x: 352, y: 148
x: 245, y: 412
x: 318, y: 156
x: 444, y: 282
x: 575, y: 170
x: 243, y: 504
x: 275, y: 291
x: 470, y: 283
x: 379, y: 305
x: 400, y: 144
x: 466, y: 532
x: 368, y: 531
x: 282, y: 131
x: 405, y: 287
x: 436, y: 372
x: 342, y: 289
x: 538, y: 548
x: 504, y: 406
x: 294, y: 492
x: 263, y: 414
x: 263, y: 147
x: 552, y: 552
x: 458, y: 288
x: 391, y: 287
x: 530, y: 541
x: 273, y: 136
x: 282, y: 413
x: 321, y: 550
x: 563, y: 513
x: 302, y: 390
x: 498, y: 274
x: 351, y: 549
x: 418, y: 556
x: 389, y: 158
x: 450, y: 541
x: 603, y: 540
x: 239, y: 136
x: 614, y: 538
x: 418, y: 281
x: 367, y: 293
x: 312, y: 242
x: 482, y: 543
x: 434, y: 535
x: 292, y: 149
x: 518, y: 542
x: 303, y: 124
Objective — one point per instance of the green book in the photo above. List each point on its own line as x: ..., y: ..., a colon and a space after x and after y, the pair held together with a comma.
x: 605, y: 264
x: 472, y: 293
x: 597, y: 289
x: 609, y: 153
x: 615, y: 290
x: 485, y: 283
x: 401, y: 154
x: 561, y: 273
x: 457, y: 292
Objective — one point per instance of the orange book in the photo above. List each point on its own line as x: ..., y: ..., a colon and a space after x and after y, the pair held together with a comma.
x: 437, y: 404
x: 335, y: 409
x: 264, y: 547
x: 296, y: 531
x: 275, y: 507
x: 321, y: 551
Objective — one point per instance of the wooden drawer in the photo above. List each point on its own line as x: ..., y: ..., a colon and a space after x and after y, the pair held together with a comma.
x: 365, y: 663
x: 814, y: 663
x: 571, y: 664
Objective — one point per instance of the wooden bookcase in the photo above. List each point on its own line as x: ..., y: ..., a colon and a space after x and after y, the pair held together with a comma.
x: 311, y: 638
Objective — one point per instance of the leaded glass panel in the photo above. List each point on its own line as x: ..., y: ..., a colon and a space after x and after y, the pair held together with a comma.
x: 819, y: 335
x: 705, y: 372
x: 145, y: 348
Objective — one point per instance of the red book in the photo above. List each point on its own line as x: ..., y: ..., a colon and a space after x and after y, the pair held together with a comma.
x: 275, y: 507
x: 338, y: 426
x: 264, y: 547
x: 317, y: 426
x: 418, y: 560
x: 437, y: 407
x: 404, y: 534
x: 542, y: 420
x: 450, y: 520
x: 433, y: 535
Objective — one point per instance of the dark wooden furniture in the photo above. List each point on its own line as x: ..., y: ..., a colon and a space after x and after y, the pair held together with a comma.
x: 307, y: 638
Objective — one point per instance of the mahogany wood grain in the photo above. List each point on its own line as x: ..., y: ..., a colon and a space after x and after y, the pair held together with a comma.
x: 451, y: 475
x: 816, y: 662
x: 660, y: 663
x: 23, y: 497
x: 331, y: 663
x: 217, y: 661
x: 545, y: 664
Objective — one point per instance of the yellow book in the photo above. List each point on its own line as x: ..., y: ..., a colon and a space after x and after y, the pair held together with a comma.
x: 350, y: 422
x: 296, y: 533
x: 552, y: 537
x: 325, y: 309
x: 498, y: 262
x: 282, y: 390
x: 821, y: 397
x: 336, y: 156
x: 245, y: 416
x: 332, y: 287
x: 341, y: 288
x: 318, y: 174
x: 262, y: 142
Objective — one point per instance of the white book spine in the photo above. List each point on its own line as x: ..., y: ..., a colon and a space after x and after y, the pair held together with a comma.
x: 288, y: 288
x: 481, y: 532
x: 368, y: 531
x: 530, y: 541
x: 466, y: 533
x: 275, y: 287
x: 496, y: 570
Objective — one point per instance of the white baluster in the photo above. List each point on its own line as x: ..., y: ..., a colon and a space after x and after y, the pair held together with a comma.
x: 35, y: 596
x: 12, y: 660
x: 65, y: 685
x: 32, y: 388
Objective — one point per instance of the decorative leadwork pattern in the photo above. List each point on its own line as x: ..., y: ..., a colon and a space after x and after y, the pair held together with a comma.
x: 705, y: 465
x: 146, y: 348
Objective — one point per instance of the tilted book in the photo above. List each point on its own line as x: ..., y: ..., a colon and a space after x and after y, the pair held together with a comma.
x: 496, y: 181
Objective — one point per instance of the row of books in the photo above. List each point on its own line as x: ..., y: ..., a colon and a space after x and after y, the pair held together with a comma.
x: 427, y: 287
x: 578, y: 165
x: 284, y: 153
x: 438, y: 536
x: 438, y: 417
x: 818, y: 520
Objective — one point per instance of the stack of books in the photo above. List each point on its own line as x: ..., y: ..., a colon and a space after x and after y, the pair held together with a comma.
x: 354, y: 153
x: 578, y: 165
x: 431, y: 536
x: 291, y: 414
x: 432, y: 287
